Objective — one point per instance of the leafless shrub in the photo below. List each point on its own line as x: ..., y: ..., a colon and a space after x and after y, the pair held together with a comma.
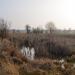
x: 3, y: 28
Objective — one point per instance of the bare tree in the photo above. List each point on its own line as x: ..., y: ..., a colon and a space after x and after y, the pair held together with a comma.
x: 4, y: 26
x: 50, y: 26
x: 27, y: 27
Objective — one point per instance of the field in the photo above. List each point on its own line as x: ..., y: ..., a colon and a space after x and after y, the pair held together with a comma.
x: 50, y: 49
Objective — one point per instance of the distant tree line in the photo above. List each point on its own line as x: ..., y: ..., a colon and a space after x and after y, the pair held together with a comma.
x: 50, y: 27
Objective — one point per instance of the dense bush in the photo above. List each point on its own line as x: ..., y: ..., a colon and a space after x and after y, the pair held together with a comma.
x: 45, y: 46
x: 57, y: 51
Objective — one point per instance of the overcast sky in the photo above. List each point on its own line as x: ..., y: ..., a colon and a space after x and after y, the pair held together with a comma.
x: 38, y: 12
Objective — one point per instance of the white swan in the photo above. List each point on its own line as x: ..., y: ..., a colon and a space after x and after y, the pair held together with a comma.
x: 28, y: 52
